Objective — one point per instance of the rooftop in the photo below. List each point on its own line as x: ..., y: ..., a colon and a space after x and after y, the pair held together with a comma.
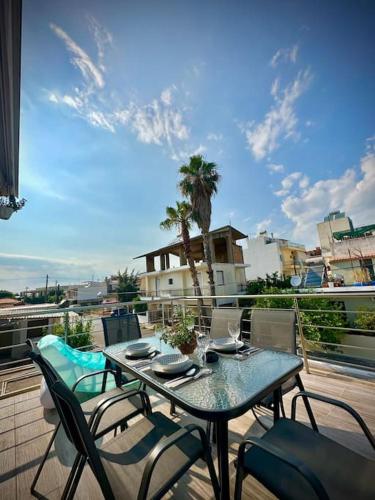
x: 25, y: 429
x: 174, y: 246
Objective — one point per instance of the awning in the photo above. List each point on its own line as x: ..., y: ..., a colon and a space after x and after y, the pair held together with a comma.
x: 358, y: 232
x: 10, y: 77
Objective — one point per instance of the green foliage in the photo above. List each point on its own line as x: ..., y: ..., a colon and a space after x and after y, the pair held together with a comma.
x: 365, y: 319
x: 139, y: 307
x: 5, y: 294
x: 128, y: 285
x: 328, y: 314
x: 78, y: 332
x: 182, y: 331
x: 34, y: 300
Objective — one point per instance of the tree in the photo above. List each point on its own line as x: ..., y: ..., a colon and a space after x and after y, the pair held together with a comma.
x: 199, y: 183
x: 127, y: 285
x: 181, y: 218
x: 5, y: 294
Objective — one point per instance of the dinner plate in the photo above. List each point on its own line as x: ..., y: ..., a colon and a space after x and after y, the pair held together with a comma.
x: 226, y: 344
x: 171, y: 363
x: 139, y: 349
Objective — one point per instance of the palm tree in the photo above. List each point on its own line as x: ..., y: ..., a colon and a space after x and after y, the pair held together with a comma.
x: 180, y: 217
x: 199, y: 184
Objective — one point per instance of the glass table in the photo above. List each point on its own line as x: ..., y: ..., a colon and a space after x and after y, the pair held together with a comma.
x: 233, y: 388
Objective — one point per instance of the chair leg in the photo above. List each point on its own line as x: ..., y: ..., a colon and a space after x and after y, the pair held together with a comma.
x: 45, y: 456
x: 239, y: 480
x: 74, y: 477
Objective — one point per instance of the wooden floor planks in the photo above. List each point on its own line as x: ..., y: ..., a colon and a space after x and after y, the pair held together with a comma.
x: 25, y: 429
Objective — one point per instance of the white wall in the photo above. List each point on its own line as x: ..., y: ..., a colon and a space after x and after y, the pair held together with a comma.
x: 90, y: 292
x: 261, y: 258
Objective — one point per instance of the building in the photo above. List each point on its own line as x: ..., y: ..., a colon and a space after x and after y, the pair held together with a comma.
x: 352, y: 255
x: 168, y: 274
x: 333, y: 222
x: 89, y: 293
x: 265, y: 254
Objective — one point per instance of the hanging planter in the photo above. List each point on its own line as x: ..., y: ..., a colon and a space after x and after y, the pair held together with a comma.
x: 10, y: 205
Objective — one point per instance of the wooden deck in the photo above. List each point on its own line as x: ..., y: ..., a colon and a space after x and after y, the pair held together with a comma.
x: 25, y: 429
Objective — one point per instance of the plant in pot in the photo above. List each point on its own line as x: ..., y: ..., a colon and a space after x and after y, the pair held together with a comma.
x: 10, y: 205
x: 181, y: 334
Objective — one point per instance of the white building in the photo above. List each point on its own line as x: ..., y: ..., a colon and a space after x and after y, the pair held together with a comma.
x: 265, y: 254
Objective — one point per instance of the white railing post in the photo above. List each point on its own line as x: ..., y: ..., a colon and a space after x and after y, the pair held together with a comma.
x: 301, y: 334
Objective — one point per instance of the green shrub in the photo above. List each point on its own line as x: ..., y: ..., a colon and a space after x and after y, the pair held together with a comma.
x: 333, y: 316
x: 78, y: 333
x: 365, y: 319
x: 139, y: 308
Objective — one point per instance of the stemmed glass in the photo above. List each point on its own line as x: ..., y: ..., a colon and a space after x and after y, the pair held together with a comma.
x: 159, y: 330
x: 234, y: 331
x: 203, y: 341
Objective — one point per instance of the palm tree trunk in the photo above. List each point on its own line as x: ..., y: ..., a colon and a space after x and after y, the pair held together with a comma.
x: 207, y: 254
x: 189, y: 258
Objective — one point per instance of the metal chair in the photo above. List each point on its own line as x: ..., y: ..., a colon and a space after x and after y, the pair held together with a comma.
x: 144, y: 461
x: 294, y: 461
x: 134, y: 404
x: 274, y: 329
x: 220, y: 318
x: 121, y: 328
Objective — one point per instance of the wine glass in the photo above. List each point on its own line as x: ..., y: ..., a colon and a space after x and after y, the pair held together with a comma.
x: 159, y: 330
x: 203, y: 341
x: 234, y: 331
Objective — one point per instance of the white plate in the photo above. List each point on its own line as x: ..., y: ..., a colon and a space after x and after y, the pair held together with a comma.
x: 139, y: 349
x: 171, y: 363
x: 226, y: 344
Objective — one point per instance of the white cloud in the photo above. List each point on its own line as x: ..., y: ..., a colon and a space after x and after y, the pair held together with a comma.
x: 102, y: 37
x: 166, y: 96
x: 275, y: 168
x: 263, y: 225
x: 349, y: 192
x: 158, y: 122
x: 81, y: 59
x: 291, y: 180
x: 184, y: 154
x: 212, y: 136
x: 285, y: 55
x: 280, y: 122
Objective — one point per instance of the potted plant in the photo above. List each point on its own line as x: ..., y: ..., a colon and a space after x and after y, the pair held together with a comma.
x: 181, y: 334
x: 10, y: 205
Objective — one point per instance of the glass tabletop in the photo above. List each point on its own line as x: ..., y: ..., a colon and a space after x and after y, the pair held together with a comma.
x: 232, y: 388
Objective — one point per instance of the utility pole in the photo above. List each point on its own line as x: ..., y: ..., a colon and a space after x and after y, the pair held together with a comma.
x: 46, y: 291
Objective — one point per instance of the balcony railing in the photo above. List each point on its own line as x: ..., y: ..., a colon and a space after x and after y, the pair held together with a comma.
x: 351, y: 341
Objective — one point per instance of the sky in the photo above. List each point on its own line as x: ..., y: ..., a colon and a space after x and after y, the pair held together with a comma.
x: 117, y: 95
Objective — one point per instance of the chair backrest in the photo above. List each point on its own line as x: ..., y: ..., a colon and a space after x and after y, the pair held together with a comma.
x: 274, y: 329
x: 121, y: 329
x: 220, y: 318
x: 49, y: 373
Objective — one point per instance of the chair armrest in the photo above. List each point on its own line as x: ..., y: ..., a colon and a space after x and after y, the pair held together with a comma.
x: 103, y: 406
x: 163, y: 446
x: 290, y: 460
x: 92, y: 374
x: 340, y: 404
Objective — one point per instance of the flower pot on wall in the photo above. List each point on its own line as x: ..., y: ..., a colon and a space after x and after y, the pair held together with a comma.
x: 6, y: 212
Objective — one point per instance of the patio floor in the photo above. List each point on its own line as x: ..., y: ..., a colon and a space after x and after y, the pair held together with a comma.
x: 25, y: 429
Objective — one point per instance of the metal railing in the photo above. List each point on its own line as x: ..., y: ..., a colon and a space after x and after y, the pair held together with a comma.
x: 344, y: 340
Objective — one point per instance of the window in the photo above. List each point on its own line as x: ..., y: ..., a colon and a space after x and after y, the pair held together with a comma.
x: 170, y: 281
x: 220, y: 277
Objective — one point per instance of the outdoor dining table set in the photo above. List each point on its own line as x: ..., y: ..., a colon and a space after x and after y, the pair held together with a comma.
x: 216, y: 392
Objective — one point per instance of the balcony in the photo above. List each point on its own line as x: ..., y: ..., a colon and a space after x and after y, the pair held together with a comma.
x: 25, y: 428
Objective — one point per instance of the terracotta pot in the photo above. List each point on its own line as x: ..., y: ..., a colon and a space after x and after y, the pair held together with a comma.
x: 188, y: 348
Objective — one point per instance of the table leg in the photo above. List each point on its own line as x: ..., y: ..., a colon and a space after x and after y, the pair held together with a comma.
x: 307, y: 404
x: 223, y: 459
x: 276, y: 404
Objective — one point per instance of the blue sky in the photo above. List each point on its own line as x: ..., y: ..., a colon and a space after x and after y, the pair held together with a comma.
x: 116, y: 95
